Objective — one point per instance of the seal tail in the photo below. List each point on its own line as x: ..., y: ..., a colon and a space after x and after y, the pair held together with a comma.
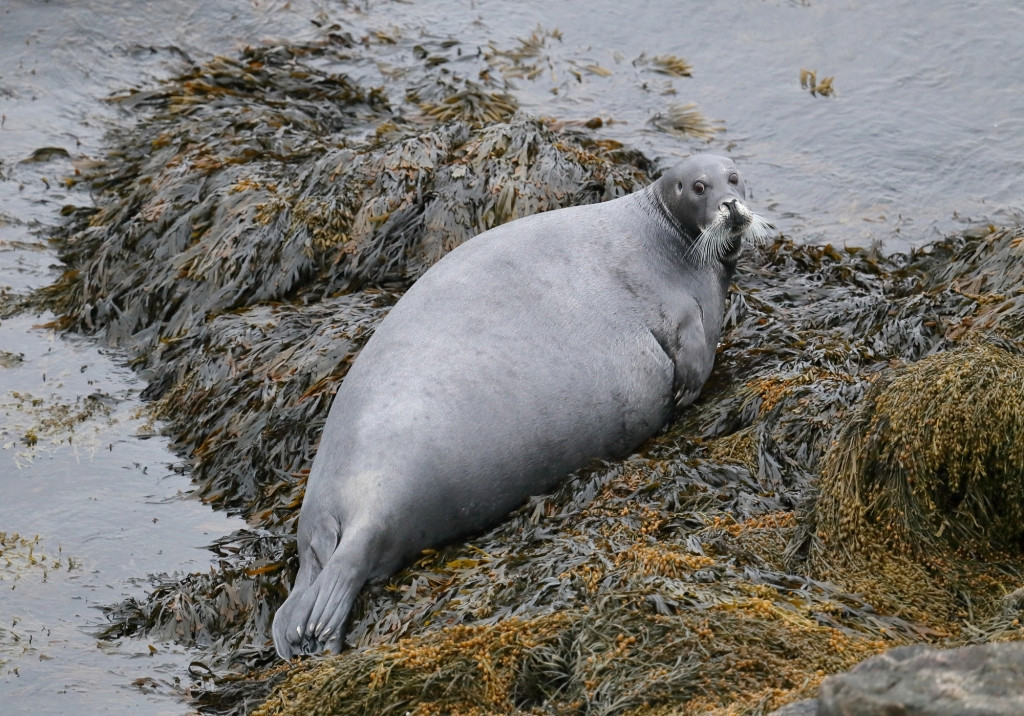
x: 312, y: 619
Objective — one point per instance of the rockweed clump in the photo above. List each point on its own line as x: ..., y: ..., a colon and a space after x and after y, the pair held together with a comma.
x: 933, y: 457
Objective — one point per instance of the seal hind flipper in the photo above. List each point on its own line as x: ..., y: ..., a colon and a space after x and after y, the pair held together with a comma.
x: 312, y: 619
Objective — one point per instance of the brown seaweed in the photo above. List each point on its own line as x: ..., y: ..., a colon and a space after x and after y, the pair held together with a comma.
x: 810, y: 82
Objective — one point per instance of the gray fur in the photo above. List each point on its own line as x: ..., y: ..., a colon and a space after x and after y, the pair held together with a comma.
x: 522, y: 354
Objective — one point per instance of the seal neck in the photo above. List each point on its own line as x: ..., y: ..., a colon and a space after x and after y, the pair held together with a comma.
x: 660, y: 209
x: 677, y: 243
x: 673, y: 240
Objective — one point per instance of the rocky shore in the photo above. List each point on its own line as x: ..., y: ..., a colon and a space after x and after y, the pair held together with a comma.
x: 850, y: 481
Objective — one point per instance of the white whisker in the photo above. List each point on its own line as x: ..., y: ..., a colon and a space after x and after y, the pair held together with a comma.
x: 715, y: 241
x: 759, y: 231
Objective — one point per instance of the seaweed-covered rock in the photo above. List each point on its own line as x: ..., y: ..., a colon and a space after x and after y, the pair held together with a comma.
x: 934, y: 452
x: 190, y: 245
x: 248, y: 393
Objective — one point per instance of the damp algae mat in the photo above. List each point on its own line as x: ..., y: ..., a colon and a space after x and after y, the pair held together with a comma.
x: 269, y: 178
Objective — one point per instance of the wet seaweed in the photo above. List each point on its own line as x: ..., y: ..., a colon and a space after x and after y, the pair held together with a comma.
x: 224, y: 611
x: 249, y: 392
x: 934, y: 452
x: 685, y: 120
x: 923, y: 484
x: 810, y: 82
x: 527, y: 60
x: 466, y: 100
x: 671, y: 65
x: 619, y: 659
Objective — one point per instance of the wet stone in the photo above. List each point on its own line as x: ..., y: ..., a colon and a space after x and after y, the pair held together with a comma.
x: 983, y: 680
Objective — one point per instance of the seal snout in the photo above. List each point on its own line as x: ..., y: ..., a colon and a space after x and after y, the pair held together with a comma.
x: 721, y: 239
x: 739, y: 217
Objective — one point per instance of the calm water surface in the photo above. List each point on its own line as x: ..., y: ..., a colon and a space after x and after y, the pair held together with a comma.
x: 95, y: 497
x: 924, y: 137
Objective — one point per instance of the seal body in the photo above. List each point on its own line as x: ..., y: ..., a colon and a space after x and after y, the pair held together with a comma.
x: 519, y: 356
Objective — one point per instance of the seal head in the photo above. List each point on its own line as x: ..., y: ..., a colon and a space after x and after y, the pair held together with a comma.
x: 706, y: 199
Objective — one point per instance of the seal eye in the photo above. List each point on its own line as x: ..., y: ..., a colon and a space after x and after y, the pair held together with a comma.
x: 698, y: 187
x: 734, y: 178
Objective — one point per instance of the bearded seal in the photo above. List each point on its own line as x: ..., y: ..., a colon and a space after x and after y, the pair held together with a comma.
x: 522, y: 354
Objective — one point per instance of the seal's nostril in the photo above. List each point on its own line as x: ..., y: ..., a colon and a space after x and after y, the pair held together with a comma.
x: 733, y: 208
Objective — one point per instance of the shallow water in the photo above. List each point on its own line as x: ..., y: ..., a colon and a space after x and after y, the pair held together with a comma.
x: 103, y: 509
x: 95, y: 495
x: 924, y: 136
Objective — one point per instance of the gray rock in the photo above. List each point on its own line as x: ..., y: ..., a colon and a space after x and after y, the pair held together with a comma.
x: 807, y: 707
x: 986, y: 680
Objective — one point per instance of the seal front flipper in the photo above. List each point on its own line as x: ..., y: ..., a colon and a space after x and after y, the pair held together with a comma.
x: 684, y: 351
